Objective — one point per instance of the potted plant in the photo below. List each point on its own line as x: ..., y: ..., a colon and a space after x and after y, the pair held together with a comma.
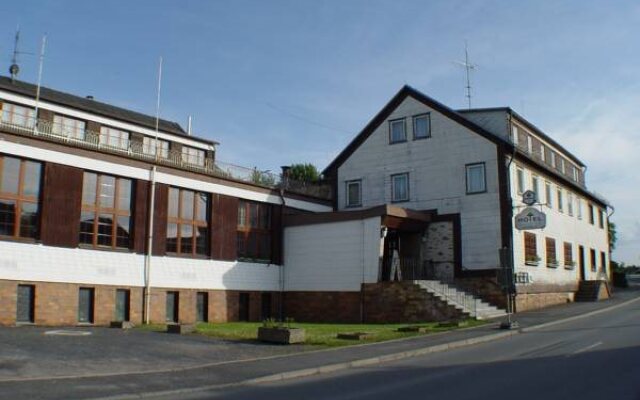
x: 569, y: 264
x: 531, y: 260
x: 552, y: 263
x: 273, y: 331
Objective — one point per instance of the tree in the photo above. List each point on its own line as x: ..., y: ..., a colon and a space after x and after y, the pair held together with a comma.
x: 304, y: 173
x: 613, y: 235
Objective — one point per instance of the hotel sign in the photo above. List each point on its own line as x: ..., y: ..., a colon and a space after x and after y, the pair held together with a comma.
x: 530, y: 218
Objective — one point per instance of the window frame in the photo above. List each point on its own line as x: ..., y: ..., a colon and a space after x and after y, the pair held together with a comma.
x: 348, y: 183
x: 79, y: 127
x: 548, y: 194
x: 593, y: 260
x: 20, y: 198
x: 531, y: 249
x: 467, y: 169
x: 151, y: 145
x: 249, y: 234
x: 115, y: 212
x: 520, y: 180
x: 559, y: 196
x: 29, y: 115
x: 551, y: 253
x: 194, y: 223
x: 188, y: 154
x: 393, y: 197
x: 108, y: 132
x: 404, y: 129
x: 568, y: 255
x: 415, y: 118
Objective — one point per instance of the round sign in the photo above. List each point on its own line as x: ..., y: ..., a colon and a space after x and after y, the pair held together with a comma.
x: 529, y: 197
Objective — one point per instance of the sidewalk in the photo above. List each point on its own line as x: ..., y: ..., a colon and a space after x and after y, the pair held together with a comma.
x: 185, y: 380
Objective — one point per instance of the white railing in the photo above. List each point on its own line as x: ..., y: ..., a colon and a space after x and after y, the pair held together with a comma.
x: 91, y: 140
x: 453, y: 296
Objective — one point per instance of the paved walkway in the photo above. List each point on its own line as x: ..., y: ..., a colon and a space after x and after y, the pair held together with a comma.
x: 181, y: 371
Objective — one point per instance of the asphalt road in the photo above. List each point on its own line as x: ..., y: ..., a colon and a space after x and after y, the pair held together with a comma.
x: 591, y: 358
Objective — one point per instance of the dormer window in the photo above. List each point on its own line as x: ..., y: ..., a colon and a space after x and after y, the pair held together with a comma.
x: 114, y: 137
x: 514, y: 135
x: 192, y: 156
x: 542, y: 150
x: 397, y: 131
x: 16, y: 115
x: 151, y: 145
x: 553, y: 159
x: 529, y: 144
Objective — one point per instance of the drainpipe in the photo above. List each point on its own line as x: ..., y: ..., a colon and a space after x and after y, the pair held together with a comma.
x: 284, y: 182
x: 147, y: 258
x: 364, y: 231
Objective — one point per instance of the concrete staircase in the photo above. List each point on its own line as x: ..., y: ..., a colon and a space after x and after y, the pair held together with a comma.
x: 461, y: 300
x: 592, y: 291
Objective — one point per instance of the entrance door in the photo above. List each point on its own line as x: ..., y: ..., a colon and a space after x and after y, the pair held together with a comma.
x: 172, y: 307
x: 391, y: 243
x: 202, y: 306
x: 243, y: 307
x: 266, y: 305
x: 583, y: 274
x: 122, y: 305
x: 25, y: 306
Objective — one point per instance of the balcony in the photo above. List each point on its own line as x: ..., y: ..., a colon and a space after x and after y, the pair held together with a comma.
x: 86, y: 139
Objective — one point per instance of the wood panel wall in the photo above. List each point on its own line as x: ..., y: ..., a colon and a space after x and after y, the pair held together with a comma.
x: 160, y: 219
x: 140, y: 215
x: 61, y: 205
x: 224, y: 224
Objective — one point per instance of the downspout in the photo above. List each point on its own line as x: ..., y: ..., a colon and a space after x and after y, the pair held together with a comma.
x: 148, y: 255
x: 509, y: 244
x: 364, y: 231
x: 281, y: 267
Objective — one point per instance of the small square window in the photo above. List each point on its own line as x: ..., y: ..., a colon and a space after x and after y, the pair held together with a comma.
x: 397, y: 131
x: 421, y: 126
x: 354, y: 193
x: 400, y: 187
x: 476, y: 178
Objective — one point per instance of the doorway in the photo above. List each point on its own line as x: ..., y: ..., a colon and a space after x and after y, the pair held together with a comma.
x: 172, y: 306
x: 123, y: 302
x: 85, y: 305
x: 583, y: 273
x: 202, y: 307
x: 26, y: 303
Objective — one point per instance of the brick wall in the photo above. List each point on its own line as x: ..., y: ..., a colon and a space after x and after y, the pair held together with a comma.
x: 533, y: 301
x: 56, y: 304
x: 322, y: 306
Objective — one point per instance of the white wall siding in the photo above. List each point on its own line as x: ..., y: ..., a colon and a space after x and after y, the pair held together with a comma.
x: 31, y: 262
x: 337, y: 256
x: 563, y: 228
x: 436, y: 168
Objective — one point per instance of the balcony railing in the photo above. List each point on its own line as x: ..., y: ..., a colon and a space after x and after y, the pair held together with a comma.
x: 91, y: 140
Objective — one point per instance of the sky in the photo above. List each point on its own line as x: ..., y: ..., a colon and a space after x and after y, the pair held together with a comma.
x: 282, y: 82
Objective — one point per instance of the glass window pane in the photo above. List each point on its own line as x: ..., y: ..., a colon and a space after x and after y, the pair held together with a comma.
x: 421, y: 126
x: 186, y: 238
x: 353, y: 194
x: 201, y: 240
x: 397, y: 131
x: 7, y: 217
x: 122, y: 232
x: 29, y: 220
x: 124, y: 194
x: 475, y: 179
x: 31, y: 185
x: 86, y: 227
x: 186, y: 210
x: 107, y: 191
x: 105, y: 230
x: 172, y: 238
x: 265, y: 216
x: 10, y: 175
x: 202, y: 205
x: 242, y: 213
x: 253, y: 210
x: 400, y: 189
x: 240, y: 244
x: 89, y: 188
x: 173, y: 202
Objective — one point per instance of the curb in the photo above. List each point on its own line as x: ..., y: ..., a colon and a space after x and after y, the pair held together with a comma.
x: 306, y: 372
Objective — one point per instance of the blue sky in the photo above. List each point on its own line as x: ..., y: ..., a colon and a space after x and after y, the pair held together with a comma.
x: 278, y: 82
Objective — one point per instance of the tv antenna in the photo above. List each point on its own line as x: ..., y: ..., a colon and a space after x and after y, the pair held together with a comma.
x: 468, y: 66
x: 14, y: 69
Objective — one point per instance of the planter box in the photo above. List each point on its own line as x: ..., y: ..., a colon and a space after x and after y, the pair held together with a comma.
x: 281, y: 335
x: 122, y: 324
x: 414, y: 328
x: 353, y: 335
x: 453, y: 324
x: 181, y: 328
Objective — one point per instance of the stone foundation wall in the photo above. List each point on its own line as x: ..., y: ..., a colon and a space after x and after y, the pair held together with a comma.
x: 534, y: 301
x: 391, y: 302
x: 322, y: 306
x: 487, y: 288
x: 56, y: 304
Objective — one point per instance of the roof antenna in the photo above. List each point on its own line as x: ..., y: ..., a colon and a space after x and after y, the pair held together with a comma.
x: 468, y: 67
x: 14, y: 69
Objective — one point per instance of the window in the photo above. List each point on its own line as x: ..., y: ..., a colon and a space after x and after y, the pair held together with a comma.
x: 19, y: 195
x: 562, y: 165
x: 592, y: 257
x: 354, y: 193
x: 188, y: 222
x: 254, y: 231
x: 530, y: 249
x: 151, y: 145
x: 400, y: 187
x: 574, y: 173
x: 529, y: 144
x: 476, y: 178
x: 172, y: 307
x: 568, y: 255
x: 591, y: 216
x: 514, y: 134
x: 193, y: 156
x: 421, y: 126
x: 601, y: 219
x: 535, y: 187
x: 552, y: 260
x: 123, y: 305
x: 560, y: 202
x: 579, y: 203
x: 25, y: 304
x: 603, y: 262
x: 86, y: 298
x: 114, y: 138
x: 16, y: 115
x: 105, y: 220
x: 549, y: 194
x: 542, y: 152
x: 553, y: 159
x: 570, y: 203
x: 69, y: 127
x: 397, y: 131
x: 520, y: 178
x: 202, y: 307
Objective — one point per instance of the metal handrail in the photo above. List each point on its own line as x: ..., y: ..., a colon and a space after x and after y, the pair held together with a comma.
x: 468, y: 302
x: 91, y: 140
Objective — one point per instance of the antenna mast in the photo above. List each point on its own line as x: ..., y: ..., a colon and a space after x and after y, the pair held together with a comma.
x: 14, y: 69
x: 468, y: 66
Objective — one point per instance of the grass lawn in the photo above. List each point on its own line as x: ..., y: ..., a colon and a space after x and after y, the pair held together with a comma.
x: 319, y: 334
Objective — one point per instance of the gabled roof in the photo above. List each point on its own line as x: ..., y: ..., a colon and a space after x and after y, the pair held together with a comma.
x: 529, y: 125
x: 405, y: 92
x: 94, y: 107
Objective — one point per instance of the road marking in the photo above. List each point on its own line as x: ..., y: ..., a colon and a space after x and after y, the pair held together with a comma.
x: 593, y: 346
